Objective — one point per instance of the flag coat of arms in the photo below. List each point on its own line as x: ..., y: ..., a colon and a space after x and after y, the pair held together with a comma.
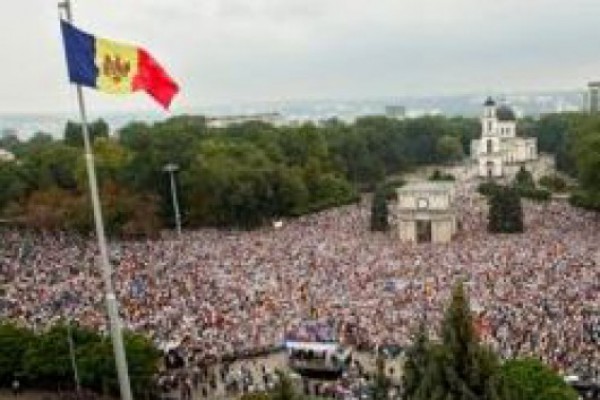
x: 114, y: 67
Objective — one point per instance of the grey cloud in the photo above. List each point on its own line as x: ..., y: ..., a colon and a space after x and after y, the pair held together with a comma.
x: 222, y: 50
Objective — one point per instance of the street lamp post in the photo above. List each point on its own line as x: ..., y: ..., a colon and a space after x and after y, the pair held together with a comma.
x: 72, y: 356
x: 171, y: 168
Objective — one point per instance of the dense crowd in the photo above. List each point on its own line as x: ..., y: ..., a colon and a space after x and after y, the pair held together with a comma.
x: 217, y: 294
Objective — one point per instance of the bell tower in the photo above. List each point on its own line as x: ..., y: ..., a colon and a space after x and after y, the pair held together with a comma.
x: 489, y: 154
x: 488, y: 121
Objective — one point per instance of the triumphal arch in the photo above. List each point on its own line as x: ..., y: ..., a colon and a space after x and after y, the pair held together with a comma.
x: 425, y: 212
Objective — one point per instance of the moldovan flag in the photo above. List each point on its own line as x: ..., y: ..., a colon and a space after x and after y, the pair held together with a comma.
x: 113, y: 67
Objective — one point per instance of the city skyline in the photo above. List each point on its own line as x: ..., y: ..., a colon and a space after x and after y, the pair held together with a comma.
x: 229, y: 51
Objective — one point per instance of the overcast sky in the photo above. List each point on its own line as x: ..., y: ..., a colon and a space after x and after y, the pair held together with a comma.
x: 228, y: 51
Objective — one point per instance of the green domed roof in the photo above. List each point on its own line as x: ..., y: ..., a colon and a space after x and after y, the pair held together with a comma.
x: 505, y: 113
x: 489, y: 102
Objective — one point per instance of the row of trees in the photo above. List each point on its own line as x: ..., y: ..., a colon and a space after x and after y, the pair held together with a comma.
x: 575, y: 141
x: 248, y: 174
x: 240, y: 176
x: 42, y: 360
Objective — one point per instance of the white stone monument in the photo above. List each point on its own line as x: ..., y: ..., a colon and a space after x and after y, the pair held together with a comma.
x: 425, y: 212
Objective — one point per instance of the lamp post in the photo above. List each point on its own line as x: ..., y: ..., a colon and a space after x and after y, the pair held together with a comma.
x: 72, y: 355
x: 171, y: 168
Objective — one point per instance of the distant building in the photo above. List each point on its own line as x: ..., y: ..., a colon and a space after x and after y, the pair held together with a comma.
x: 500, y: 152
x: 228, y: 120
x: 6, y: 156
x: 8, y: 132
x: 397, y: 112
x: 425, y: 212
x: 593, y: 97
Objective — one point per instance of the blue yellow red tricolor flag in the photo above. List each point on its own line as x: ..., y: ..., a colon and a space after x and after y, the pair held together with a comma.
x: 114, y: 67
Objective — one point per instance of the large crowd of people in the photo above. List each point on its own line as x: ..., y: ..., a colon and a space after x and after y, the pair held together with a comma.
x: 216, y: 294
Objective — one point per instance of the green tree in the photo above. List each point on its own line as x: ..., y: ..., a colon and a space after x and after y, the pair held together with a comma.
x: 73, y: 135
x: 98, y: 369
x: 290, y: 194
x: 488, y: 188
x: 529, y: 379
x: 11, y: 142
x: 553, y: 133
x: 53, y: 209
x: 352, y: 153
x: 466, y: 129
x: 125, y: 213
x: 44, y: 359
x: 329, y: 190
x: 449, y: 148
x: 14, y: 342
x: 586, y: 199
x: 470, y: 367
x: 303, y: 144
x: 47, y: 363
x: 422, y: 134
x: 416, y: 365
x: 233, y: 184
x: 505, y: 211
x: 379, y: 210
x: 12, y: 183
x: 110, y: 161
x: 284, y: 388
x: 23, y: 149
x: 51, y: 165
x: 587, y: 151
x: 553, y: 182
x: 525, y: 186
x: 524, y: 179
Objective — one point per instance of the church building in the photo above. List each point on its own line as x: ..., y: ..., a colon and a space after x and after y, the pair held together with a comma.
x: 500, y: 152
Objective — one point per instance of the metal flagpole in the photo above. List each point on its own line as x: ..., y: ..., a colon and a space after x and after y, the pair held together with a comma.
x: 111, y: 299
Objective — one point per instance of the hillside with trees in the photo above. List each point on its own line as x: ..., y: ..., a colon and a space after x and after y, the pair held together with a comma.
x: 242, y: 176
x: 247, y: 175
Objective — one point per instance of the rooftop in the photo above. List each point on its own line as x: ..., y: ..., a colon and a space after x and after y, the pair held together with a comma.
x: 489, y: 102
x: 6, y: 155
x: 505, y: 113
x: 427, y: 186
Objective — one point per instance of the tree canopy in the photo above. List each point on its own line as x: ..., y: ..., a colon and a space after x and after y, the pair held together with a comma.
x: 247, y: 174
x: 505, y: 213
x: 43, y: 359
x: 529, y: 379
x: 240, y: 176
x: 575, y: 141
